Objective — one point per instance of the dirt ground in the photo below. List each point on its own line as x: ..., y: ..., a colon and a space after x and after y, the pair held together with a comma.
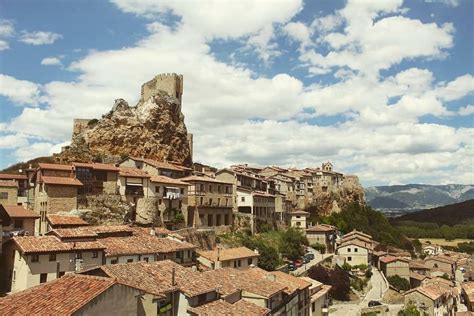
x: 444, y: 242
x: 392, y: 297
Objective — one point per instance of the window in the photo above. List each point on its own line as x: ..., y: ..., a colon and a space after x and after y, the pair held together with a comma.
x: 129, y: 260
x: 4, y: 195
x: 18, y: 224
x: 181, y: 190
x: 202, y: 299
x: 249, y: 261
x: 348, y: 249
x: 61, y: 273
x: 237, y: 263
x: 313, y: 306
x: 145, y: 259
x: 210, y: 202
x: 113, y: 261
x: 78, y: 255
x: 34, y: 258
x: 349, y: 258
x: 43, y: 277
x: 218, y: 202
x: 218, y: 189
x: 210, y: 188
x: 14, y: 275
x: 52, y: 257
x: 95, y: 254
x: 202, y: 201
x: 298, y: 224
x: 242, y: 199
x: 157, y: 189
x: 356, y: 249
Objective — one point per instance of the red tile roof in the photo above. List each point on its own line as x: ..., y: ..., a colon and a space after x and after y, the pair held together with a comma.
x: 221, y: 307
x: 8, y: 176
x: 52, y: 166
x: 389, y: 259
x: 96, y: 166
x: 299, y: 212
x: 57, y: 220
x: 50, y: 299
x: 38, y: 244
x: 195, y: 178
x: 142, y: 244
x: 167, y: 180
x: 164, y: 165
x: 15, y: 211
x: 61, y: 181
x: 65, y: 233
x: 156, y: 277
x: 321, y: 228
x: 8, y: 183
x: 133, y: 173
x: 228, y: 254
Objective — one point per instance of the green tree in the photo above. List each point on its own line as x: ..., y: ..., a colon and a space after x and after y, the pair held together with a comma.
x: 292, y: 242
x: 409, y: 310
x: 398, y: 282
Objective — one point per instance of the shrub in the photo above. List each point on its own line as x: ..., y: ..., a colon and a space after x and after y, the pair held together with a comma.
x: 347, y: 266
x: 337, y: 278
x: 409, y: 310
x: 398, y: 282
x: 319, y: 247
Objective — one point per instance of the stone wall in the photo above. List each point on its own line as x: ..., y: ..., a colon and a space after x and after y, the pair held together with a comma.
x: 170, y: 83
x: 12, y: 193
x: 147, y: 212
x: 61, y: 198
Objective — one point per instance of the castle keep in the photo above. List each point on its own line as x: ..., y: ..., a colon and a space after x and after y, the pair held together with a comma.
x: 170, y: 83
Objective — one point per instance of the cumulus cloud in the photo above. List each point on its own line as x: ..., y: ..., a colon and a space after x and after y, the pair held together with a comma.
x: 21, y: 92
x: 39, y: 38
x: 6, y: 30
x: 466, y: 110
x: 51, y: 61
x: 237, y: 115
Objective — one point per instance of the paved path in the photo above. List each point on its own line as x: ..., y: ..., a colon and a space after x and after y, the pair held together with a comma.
x: 379, y: 287
x: 318, y: 257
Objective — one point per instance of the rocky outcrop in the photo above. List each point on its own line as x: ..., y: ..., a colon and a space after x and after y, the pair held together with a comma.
x: 154, y: 129
x: 105, y: 209
x: 335, y: 200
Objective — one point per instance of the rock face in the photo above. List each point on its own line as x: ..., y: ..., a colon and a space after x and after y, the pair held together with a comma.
x: 154, y: 128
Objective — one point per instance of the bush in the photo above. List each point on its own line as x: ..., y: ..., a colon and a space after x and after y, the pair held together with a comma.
x: 409, y: 310
x: 292, y: 241
x: 358, y: 284
x: 346, y: 266
x: 319, y: 247
x: 368, y: 273
x: 399, y: 283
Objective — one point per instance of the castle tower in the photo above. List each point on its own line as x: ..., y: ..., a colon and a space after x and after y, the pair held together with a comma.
x: 170, y: 83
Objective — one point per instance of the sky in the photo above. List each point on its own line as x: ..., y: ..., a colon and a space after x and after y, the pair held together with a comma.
x: 383, y: 89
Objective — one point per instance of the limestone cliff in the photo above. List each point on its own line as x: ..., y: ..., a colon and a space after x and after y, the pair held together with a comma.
x: 154, y: 128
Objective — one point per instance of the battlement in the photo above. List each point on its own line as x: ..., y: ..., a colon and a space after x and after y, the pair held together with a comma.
x: 170, y: 83
x: 79, y: 125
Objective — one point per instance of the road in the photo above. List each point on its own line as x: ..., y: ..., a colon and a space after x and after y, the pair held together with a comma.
x: 318, y: 257
x: 379, y: 287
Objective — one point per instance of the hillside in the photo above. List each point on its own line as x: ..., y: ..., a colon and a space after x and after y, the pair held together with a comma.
x: 25, y: 165
x: 400, y: 199
x: 453, y: 214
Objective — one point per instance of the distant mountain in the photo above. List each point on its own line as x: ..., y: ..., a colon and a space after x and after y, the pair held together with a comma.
x: 459, y: 213
x: 400, y: 199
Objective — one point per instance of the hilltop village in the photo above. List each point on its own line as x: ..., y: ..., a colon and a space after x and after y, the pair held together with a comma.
x: 124, y: 222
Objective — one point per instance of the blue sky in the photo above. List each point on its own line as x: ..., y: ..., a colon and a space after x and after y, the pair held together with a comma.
x: 381, y: 88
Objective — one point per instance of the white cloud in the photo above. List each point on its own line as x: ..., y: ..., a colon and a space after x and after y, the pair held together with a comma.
x: 39, y: 37
x: 21, y: 92
x: 6, y: 28
x: 457, y: 88
x: 466, y: 110
x: 51, y: 61
x: 4, y: 45
x: 33, y: 150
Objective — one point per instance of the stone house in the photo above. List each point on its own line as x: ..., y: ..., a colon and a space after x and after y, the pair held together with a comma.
x: 31, y: 260
x: 96, y: 178
x: 56, y: 221
x: 133, y: 184
x: 356, y: 248
x: 319, y: 294
x: 86, y: 295
x: 283, y: 208
x: 467, y: 293
x: 157, y: 168
x: 239, y: 257
x: 55, y: 191
x: 17, y: 221
x: 431, y: 250
x: 298, y: 219
x: 23, y: 187
x: 432, y: 299
x: 323, y: 234
x: 391, y: 266
x: 8, y: 192
x: 441, y: 264
x: 210, y: 202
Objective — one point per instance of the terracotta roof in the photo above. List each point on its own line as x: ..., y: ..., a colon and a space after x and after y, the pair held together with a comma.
x: 195, y: 178
x: 468, y: 288
x: 96, y: 166
x: 167, y: 180
x: 156, y: 277
x: 357, y: 237
x: 50, y: 299
x: 418, y: 265
x: 133, y: 173
x: 299, y: 213
x: 8, y: 176
x: 65, y: 220
x: 417, y: 276
x: 356, y: 242
x: 142, y: 244
x: 52, y: 166
x: 107, y: 229
x: 221, y: 307
x: 356, y: 232
x: 73, y: 233
x: 228, y: 254
x: 61, y: 181
x: 390, y: 258
x: 441, y: 259
x: 292, y: 282
x: 38, y: 244
x: 321, y: 228
x: 16, y: 211
x: 165, y: 165
x: 8, y: 183
x: 253, y: 280
x: 432, y: 291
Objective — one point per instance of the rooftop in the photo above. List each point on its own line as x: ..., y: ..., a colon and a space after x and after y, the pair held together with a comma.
x: 299, y: 212
x: 39, y: 244
x: 56, y: 220
x: 53, y: 166
x: 16, y: 211
x: 221, y: 307
x: 157, y: 277
x: 61, y: 181
x: 228, y: 254
x: 321, y: 228
x: 390, y: 259
x: 162, y: 164
x: 8, y: 183
x: 195, y: 178
x: 73, y: 233
x: 8, y: 176
x: 49, y: 298
x: 167, y: 180
x: 133, y: 173
x: 432, y: 291
x: 96, y: 166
